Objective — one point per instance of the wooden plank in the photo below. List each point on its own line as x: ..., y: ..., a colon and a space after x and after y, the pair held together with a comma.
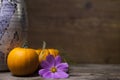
x: 88, y: 31
x: 78, y: 72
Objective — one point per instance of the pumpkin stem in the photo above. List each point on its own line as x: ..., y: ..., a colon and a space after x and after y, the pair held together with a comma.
x: 25, y: 44
x: 44, y: 45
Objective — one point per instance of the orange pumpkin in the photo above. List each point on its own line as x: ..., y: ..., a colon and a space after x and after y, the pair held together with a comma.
x: 22, y: 61
x: 45, y: 52
x: 38, y: 51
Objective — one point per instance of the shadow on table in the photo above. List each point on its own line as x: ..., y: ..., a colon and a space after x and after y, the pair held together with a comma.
x: 31, y: 75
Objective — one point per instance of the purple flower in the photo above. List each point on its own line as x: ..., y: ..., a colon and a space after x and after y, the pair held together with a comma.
x: 53, y: 68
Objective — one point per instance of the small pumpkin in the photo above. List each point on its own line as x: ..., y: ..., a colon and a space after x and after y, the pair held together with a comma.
x: 22, y: 61
x: 45, y: 52
x: 38, y: 51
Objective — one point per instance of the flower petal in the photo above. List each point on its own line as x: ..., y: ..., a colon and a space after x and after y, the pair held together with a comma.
x: 60, y: 74
x: 58, y: 60
x: 45, y: 64
x: 48, y: 74
x: 51, y: 60
x: 63, y: 66
x: 43, y: 71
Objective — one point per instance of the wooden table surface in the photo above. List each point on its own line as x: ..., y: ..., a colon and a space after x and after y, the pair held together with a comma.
x: 78, y: 72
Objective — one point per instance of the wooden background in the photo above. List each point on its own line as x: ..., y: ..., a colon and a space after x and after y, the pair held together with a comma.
x: 86, y: 31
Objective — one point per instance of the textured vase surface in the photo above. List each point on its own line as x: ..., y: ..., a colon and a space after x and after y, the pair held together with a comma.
x: 13, y: 28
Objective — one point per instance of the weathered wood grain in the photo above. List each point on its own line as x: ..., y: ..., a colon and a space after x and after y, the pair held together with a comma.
x: 88, y: 31
x: 78, y: 72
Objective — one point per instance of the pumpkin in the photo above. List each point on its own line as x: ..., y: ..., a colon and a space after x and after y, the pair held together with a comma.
x: 22, y: 61
x: 45, y: 52
x: 38, y: 51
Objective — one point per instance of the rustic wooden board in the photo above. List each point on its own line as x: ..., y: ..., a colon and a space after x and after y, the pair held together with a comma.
x: 78, y: 72
x: 88, y: 31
